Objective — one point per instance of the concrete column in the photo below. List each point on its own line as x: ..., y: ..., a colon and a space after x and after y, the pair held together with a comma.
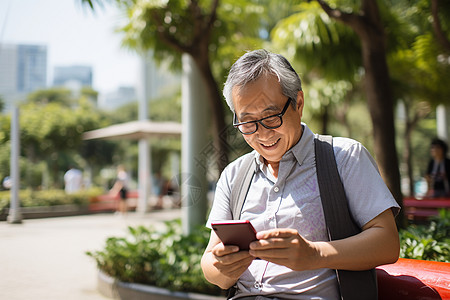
x: 144, y: 168
x: 15, y: 216
x: 144, y: 176
x: 441, y: 122
x: 195, y: 126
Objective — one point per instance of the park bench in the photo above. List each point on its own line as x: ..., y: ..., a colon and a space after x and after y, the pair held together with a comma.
x: 107, y: 202
x: 422, y: 209
x: 411, y: 279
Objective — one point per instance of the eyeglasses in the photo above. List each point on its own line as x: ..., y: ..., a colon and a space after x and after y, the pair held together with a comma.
x: 270, y: 122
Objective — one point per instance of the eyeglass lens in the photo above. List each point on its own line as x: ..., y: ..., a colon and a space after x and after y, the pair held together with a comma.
x: 269, y: 123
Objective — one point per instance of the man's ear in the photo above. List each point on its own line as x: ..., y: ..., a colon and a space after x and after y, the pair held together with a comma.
x: 300, y: 102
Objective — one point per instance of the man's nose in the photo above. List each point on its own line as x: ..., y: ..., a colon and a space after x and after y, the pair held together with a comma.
x: 263, y: 131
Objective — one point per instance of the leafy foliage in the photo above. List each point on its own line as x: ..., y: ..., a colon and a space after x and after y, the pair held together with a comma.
x: 165, y: 259
x: 171, y: 260
x: 427, y: 242
x: 30, y: 198
x: 318, y: 43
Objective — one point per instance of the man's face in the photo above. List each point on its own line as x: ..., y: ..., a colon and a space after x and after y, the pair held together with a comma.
x: 264, y: 98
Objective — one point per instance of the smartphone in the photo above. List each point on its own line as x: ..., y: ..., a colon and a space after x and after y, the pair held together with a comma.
x: 236, y: 232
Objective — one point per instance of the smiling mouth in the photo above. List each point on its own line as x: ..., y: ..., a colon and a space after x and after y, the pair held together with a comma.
x: 270, y: 145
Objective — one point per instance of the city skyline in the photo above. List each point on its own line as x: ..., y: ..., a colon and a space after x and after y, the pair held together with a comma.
x: 73, y: 35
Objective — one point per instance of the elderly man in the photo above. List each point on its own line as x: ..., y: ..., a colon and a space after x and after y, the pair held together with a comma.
x: 293, y: 258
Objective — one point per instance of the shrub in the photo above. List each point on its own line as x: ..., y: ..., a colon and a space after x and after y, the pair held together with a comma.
x: 166, y: 259
x: 171, y: 260
x: 29, y: 198
x: 427, y: 242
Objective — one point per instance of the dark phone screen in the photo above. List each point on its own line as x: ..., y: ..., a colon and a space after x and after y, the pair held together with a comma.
x: 240, y: 233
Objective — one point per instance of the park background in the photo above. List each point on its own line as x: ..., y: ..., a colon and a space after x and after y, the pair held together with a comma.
x: 377, y: 75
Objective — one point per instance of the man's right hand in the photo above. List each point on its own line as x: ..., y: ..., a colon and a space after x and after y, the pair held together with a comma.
x: 229, y: 261
x: 223, y: 265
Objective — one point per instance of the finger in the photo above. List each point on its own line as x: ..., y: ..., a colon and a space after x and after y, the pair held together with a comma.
x: 233, y: 263
x: 233, y: 258
x: 271, y: 254
x: 236, y: 270
x: 276, y: 242
x: 222, y: 250
x: 276, y: 233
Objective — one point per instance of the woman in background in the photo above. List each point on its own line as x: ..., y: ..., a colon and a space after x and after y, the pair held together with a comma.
x: 438, y: 172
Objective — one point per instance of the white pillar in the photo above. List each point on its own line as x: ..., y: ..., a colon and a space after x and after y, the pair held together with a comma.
x: 441, y: 122
x: 15, y: 216
x: 194, y: 118
x: 144, y: 168
x: 144, y: 176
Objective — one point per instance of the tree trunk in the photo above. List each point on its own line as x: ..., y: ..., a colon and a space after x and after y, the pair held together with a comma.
x: 381, y: 106
x: 368, y: 26
x: 407, y: 152
x: 201, y: 58
x: 325, y: 117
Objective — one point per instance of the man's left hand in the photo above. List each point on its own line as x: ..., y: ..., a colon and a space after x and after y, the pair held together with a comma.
x: 285, y: 247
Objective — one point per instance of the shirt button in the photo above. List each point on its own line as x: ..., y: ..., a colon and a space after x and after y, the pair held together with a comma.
x: 276, y: 189
x: 257, y: 285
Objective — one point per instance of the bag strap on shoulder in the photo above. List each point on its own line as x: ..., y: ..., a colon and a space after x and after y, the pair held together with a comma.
x: 339, y: 222
x: 241, y: 186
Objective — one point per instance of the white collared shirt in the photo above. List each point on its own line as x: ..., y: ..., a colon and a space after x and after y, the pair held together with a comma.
x: 293, y: 201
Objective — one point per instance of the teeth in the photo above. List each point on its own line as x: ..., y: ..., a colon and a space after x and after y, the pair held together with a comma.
x: 270, y: 145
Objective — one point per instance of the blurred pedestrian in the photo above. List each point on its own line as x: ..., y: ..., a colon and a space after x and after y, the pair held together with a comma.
x: 438, y: 170
x: 73, y: 180
x: 121, y: 187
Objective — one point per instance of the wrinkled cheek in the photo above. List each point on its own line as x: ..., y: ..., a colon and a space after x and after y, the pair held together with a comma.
x: 250, y: 141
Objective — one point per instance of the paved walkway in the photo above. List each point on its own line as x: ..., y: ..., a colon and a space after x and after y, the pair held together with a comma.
x: 44, y: 259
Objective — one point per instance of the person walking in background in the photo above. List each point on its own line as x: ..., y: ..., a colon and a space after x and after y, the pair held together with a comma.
x: 121, y: 187
x: 438, y: 171
x: 73, y: 180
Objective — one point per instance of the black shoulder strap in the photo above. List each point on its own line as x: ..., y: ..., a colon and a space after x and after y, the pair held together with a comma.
x: 241, y: 186
x: 340, y: 224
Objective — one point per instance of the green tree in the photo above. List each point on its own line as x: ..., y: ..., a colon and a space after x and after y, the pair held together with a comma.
x: 418, y: 66
x: 2, y: 104
x: 327, y: 44
x: 53, y: 95
x: 366, y: 21
x: 326, y: 52
x: 50, y: 128
x: 206, y: 31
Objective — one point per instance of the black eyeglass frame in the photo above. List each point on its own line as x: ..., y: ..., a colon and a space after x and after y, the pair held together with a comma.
x: 280, y: 115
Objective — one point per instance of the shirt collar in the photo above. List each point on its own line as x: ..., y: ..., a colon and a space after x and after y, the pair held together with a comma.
x: 299, y: 151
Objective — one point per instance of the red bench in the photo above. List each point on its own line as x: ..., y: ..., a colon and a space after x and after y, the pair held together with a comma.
x: 107, y: 202
x: 416, y: 209
x: 411, y: 279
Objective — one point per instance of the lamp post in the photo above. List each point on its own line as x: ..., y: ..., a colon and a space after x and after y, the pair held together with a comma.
x: 15, y: 216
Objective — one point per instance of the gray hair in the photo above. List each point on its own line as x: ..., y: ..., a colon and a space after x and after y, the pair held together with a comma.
x: 252, y: 65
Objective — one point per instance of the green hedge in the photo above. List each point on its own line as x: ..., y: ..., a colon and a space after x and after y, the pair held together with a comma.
x: 30, y: 198
x: 166, y: 259
x: 429, y: 241
x: 171, y: 260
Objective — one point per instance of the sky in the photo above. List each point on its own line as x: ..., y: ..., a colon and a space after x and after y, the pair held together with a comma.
x: 74, y: 35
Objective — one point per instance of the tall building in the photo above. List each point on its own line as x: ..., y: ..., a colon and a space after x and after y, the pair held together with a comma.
x: 121, y: 96
x: 70, y: 75
x: 23, y: 69
x: 157, y: 81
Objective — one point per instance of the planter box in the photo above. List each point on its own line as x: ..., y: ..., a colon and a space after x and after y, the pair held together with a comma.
x: 37, y: 212
x: 115, y: 289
